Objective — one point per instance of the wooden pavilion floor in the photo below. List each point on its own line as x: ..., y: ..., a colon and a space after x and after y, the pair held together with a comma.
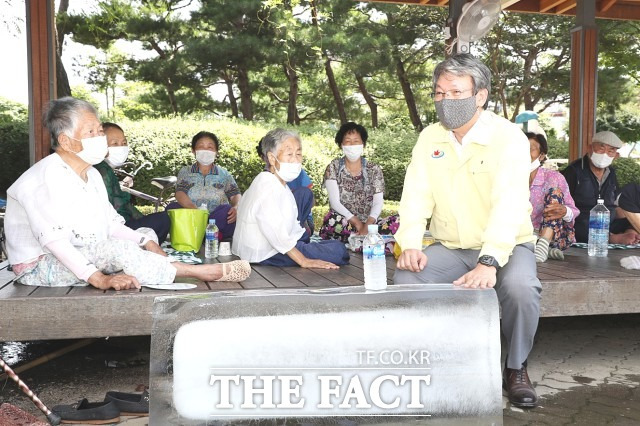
x: 580, y: 285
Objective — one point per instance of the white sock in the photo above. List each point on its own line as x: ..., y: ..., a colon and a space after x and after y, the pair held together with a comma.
x: 542, y: 250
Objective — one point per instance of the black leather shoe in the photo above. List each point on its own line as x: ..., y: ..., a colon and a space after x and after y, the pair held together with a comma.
x: 519, y: 388
x: 130, y: 404
x: 85, y: 412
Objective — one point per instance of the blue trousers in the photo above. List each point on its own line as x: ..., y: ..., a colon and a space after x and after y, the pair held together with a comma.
x: 330, y: 251
x: 159, y: 222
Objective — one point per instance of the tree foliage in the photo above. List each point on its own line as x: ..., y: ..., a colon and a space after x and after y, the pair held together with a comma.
x: 330, y: 60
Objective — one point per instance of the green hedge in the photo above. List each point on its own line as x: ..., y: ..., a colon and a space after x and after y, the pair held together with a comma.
x: 627, y: 171
x: 166, y: 143
x: 14, y: 152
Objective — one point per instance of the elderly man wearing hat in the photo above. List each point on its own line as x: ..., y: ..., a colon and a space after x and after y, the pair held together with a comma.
x: 592, y: 177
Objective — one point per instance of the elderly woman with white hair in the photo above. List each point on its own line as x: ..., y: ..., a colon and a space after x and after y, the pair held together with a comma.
x: 62, y: 230
x: 268, y: 229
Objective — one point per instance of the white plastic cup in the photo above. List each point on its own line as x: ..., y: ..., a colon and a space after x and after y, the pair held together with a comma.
x: 225, y: 249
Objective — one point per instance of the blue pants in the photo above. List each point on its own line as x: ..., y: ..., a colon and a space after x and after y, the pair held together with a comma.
x: 304, y: 201
x: 159, y: 222
x: 331, y: 251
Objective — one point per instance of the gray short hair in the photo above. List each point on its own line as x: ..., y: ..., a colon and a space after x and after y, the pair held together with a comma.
x: 61, y: 116
x: 271, y: 141
x: 465, y: 64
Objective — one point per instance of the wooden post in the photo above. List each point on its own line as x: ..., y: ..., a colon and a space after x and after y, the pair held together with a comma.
x: 42, y: 72
x: 584, y: 80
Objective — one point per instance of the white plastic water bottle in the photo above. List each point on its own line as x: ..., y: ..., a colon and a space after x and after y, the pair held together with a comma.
x: 375, y: 266
x: 211, y: 240
x: 599, y: 217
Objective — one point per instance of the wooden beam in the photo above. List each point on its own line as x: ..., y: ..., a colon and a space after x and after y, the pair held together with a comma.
x: 547, y: 5
x: 617, y: 10
x: 584, y: 77
x: 506, y: 3
x: 42, y: 72
x: 566, y: 6
x: 606, y: 5
x: 424, y: 1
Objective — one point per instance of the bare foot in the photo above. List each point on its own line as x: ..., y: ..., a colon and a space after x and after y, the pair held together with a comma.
x: 204, y: 272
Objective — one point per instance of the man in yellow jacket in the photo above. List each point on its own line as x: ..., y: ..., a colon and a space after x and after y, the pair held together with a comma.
x: 469, y: 174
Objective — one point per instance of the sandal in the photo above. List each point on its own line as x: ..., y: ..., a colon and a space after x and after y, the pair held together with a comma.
x: 236, y: 271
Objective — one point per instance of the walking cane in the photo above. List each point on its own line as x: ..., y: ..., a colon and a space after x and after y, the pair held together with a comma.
x: 53, y: 418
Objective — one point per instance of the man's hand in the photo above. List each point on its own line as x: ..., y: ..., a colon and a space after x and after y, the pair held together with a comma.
x: 152, y: 246
x: 555, y: 211
x: 319, y: 264
x: 116, y: 282
x: 412, y: 260
x: 628, y: 237
x: 481, y: 276
x: 231, y: 216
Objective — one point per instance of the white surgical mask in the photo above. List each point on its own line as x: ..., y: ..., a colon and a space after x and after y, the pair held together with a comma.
x: 352, y: 152
x: 535, y: 164
x: 288, y: 171
x: 93, y: 149
x: 601, y: 161
x: 117, y: 156
x: 205, y: 157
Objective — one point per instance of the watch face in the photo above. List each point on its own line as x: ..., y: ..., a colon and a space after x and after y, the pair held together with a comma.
x: 488, y: 261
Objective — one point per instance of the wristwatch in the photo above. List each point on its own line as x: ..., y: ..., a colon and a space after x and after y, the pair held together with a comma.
x: 489, y: 261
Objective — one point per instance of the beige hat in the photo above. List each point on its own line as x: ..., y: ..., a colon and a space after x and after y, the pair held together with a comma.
x: 607, y: 138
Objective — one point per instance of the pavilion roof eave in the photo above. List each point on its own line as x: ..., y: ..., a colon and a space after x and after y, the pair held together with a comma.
x: 606, y: 9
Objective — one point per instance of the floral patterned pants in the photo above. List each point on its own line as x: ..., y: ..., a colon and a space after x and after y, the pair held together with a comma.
x: 109, y: 256
x: 336, y: 227
x: 563, y: 232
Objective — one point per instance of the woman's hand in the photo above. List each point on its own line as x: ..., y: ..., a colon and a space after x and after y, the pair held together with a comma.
x: 317, y: 263
x: 554, y: 211
x: 231, y: 216
x: 360, y: 227
x: 116, y: 282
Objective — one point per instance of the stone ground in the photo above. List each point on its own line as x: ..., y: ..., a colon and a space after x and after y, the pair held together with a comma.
x: 586, y: 371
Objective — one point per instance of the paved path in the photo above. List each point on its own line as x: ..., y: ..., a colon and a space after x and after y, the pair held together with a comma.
x: 587, y: 372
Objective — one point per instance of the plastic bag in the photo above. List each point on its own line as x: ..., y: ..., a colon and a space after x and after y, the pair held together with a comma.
x: 187, y: 228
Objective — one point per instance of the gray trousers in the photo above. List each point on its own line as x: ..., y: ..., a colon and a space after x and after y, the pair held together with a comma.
x: 517, y: 287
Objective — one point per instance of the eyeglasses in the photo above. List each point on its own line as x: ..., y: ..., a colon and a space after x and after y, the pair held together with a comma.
x: 601, y: 148
x: 449, y: 94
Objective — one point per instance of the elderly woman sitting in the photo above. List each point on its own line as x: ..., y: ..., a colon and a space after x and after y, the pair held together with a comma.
x: 355, y: 187
x: 206, y: 183
x: 554, y: 211
x: 61, y: 229
x: 269, y: 227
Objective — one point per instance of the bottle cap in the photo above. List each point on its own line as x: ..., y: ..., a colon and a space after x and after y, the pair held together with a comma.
x: 212, y: 221
x: 372, y: 229
x: 600, y: 201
